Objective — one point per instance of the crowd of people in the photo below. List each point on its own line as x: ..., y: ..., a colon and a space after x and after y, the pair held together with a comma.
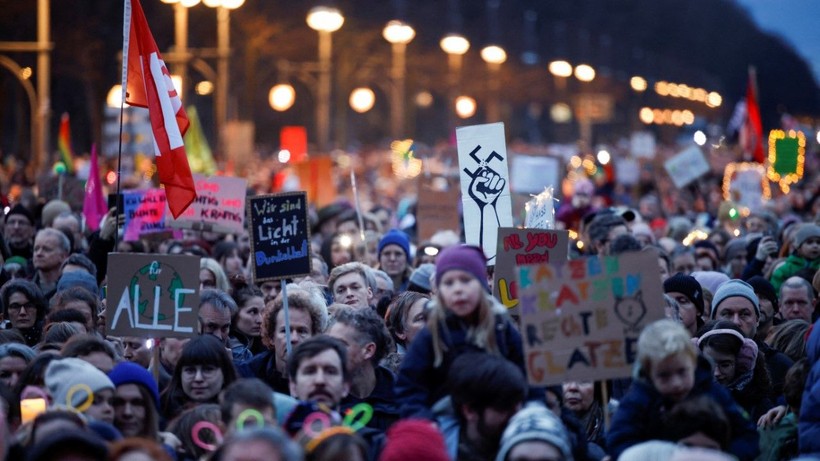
x: 395, y: 349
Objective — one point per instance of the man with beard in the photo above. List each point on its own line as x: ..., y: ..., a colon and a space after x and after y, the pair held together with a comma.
x: 318, y: 373
x: 487, y: 390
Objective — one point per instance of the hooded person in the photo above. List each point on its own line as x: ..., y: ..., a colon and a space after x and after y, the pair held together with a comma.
x: 535, y: 431
x: 688, y: 293
x: 76, y: 384
x: 805, y: 254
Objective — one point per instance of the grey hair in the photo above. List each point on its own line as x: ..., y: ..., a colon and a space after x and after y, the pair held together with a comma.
x: 61, y: 237
x: 219, y: 299
x: 382, y: 275
x: 288, y: 449
x: 797, y: 282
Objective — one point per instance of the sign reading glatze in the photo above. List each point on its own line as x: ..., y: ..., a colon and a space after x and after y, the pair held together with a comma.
x: 152, y: 295
x: 581, y: 320
x: 280, y: 235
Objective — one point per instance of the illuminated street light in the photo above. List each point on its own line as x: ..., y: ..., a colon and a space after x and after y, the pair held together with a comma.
x: 604, y: 157
x: 399, y: 34
x: 700, y: 138
x: 584, y: 73
x: 114, y: 97
x: 281, y: 97
x: 324, y: 20
x: 560, y: 68
x: 560, y: 112
x: 465, y: 106
x: 493, y: 54
x: 455, y: 44
x: 362, y: 100
x: 638, y: 83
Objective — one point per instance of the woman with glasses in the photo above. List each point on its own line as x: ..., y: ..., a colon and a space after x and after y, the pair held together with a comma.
x: 204, y: 369
x: 24, y: 306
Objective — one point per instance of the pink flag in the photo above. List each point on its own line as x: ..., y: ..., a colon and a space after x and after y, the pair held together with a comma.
x: 94, y: 207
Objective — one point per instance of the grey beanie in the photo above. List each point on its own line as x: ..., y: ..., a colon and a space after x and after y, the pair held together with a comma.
x: 535, y: 423
x: 70, y: 376
x: 803, y: 233
x: 17, y: 350
x: 735, y: 288
x: 734, y: 248
x: 421, y: 275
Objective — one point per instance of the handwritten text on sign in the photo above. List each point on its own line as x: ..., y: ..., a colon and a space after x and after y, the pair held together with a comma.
x: 219, y: 205
x: 280, y: 238
x: 152, y: 295
x: 144, y: 212
x: 581, y: 320
x: 522, y: 247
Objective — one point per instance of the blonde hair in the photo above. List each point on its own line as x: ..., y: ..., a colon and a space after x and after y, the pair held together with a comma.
x: 480, y: 334
x: 661, y: 340
x: 213, y: 266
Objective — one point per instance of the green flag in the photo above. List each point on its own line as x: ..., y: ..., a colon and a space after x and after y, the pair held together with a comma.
x: 196, y: 145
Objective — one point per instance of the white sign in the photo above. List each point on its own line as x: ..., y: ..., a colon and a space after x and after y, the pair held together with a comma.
x: 642, y: 144
x: 627, y: 171
x: 531, y: 174
x: 686, y: 166
x: 485, y: 184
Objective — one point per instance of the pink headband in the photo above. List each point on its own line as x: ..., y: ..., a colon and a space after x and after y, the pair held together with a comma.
x: 747, y: 356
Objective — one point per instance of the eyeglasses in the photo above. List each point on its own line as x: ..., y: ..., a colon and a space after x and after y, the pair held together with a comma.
x: 207, y: 371
x: 17, y: 306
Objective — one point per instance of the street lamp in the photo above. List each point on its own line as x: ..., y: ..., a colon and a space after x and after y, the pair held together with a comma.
x: 362, y: 100
x: 465, y: 106
x: 399, y: 34
x: 455, y: 45
x: 281, y: 97
x: 494, y: 56
x: 584, y: 72
x: 325, y: 21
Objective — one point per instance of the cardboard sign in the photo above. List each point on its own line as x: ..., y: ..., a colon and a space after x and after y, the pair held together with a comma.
x: 580, y: 321
x: 219, y: 206
x: 540, y: 211
x: 315, y: 176
x: 686, y: 166
x: 144, y: 212
x: 485, y: 184
x: 437, y: 209
x: 152, y: 295
x: 280, y: 236
x: 531, y: 174
x: 746, y: 184
x: 642, y: 144
x: 525, y: 247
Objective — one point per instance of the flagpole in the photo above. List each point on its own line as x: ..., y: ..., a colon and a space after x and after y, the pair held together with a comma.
x: 126, y: 36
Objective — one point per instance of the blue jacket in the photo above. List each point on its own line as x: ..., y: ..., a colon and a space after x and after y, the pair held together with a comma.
x: 808, y: 426
x: 382, y: 399
x: 263, y: 366
x: 639, y: 417
x: 420, y: 384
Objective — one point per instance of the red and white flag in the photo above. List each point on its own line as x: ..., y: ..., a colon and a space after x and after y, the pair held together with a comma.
x: 751, y: 133
x: 148, y: 84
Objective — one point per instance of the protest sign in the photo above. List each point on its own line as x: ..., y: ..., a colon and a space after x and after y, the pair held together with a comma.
x: 218, y: 207
x: 437, y: 208
x: 580, y: 321
x: 485, y: 185
x: 525, y: 247
x: 787, y: 157
x: 144, y: 212
x: 746, y: 184
x: 642, y: 144
x: 280, y: 236
x: 686, y: 166
x: 152, y: 295
x: 531, y: 174
x: 540, y: 211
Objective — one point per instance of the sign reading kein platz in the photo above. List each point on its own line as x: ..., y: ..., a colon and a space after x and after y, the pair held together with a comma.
x: 524, y: 247
x: 580, y: 321
x: 280, y: 235
x: 152, y: 296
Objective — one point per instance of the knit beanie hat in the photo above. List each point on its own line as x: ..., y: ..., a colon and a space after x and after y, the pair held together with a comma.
x: 71, y: 376
x: 421, y: 275
x: 468, y: 258
x: 71, y: 440
x: 734, y: 248
x: 710, y: 280
x: 649, y: 451
x: 21, y: 210
x: 764, y: 289
x: 803, y: 233
x: 131, y: 373
x: 17, y: 350
x: 688, y: 286
x: 413, y: 439
x: 735, y: 288
x: 535, y: 423
x: 78, y: 279
x: 395, y: 237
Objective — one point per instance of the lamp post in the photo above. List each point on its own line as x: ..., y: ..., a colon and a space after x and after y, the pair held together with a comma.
x: 494, y: 56
x: 399, y: 34
x: 455, y: 45
x: 325, y: 21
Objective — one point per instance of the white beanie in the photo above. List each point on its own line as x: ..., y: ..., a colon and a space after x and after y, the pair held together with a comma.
x: 65, y: 375
x: 535, y: 423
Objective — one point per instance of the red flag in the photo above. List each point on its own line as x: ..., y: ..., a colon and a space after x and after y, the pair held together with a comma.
x: 94, y: 206
x: 148, y: 84
x: 752, y: 131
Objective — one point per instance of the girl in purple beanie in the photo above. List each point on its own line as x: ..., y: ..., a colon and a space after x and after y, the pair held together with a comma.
x: 464, y: 318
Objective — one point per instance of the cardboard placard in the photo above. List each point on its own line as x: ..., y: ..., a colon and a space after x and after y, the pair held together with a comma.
x: 580, y: 321
x: 145, y: 212
x: 540, y: 211
x: 686, y: 166
x: 485, y: 184
x: 642, y: 144
x: 525, y: 247
x: 436, y: 209
x: 746, y: 184
x: 219, y: 206
x: 531, y: 174
x: 280, y: 236
x: 152, y: 295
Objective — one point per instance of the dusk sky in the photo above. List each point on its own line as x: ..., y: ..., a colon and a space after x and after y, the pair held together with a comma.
x: 798, y: 21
